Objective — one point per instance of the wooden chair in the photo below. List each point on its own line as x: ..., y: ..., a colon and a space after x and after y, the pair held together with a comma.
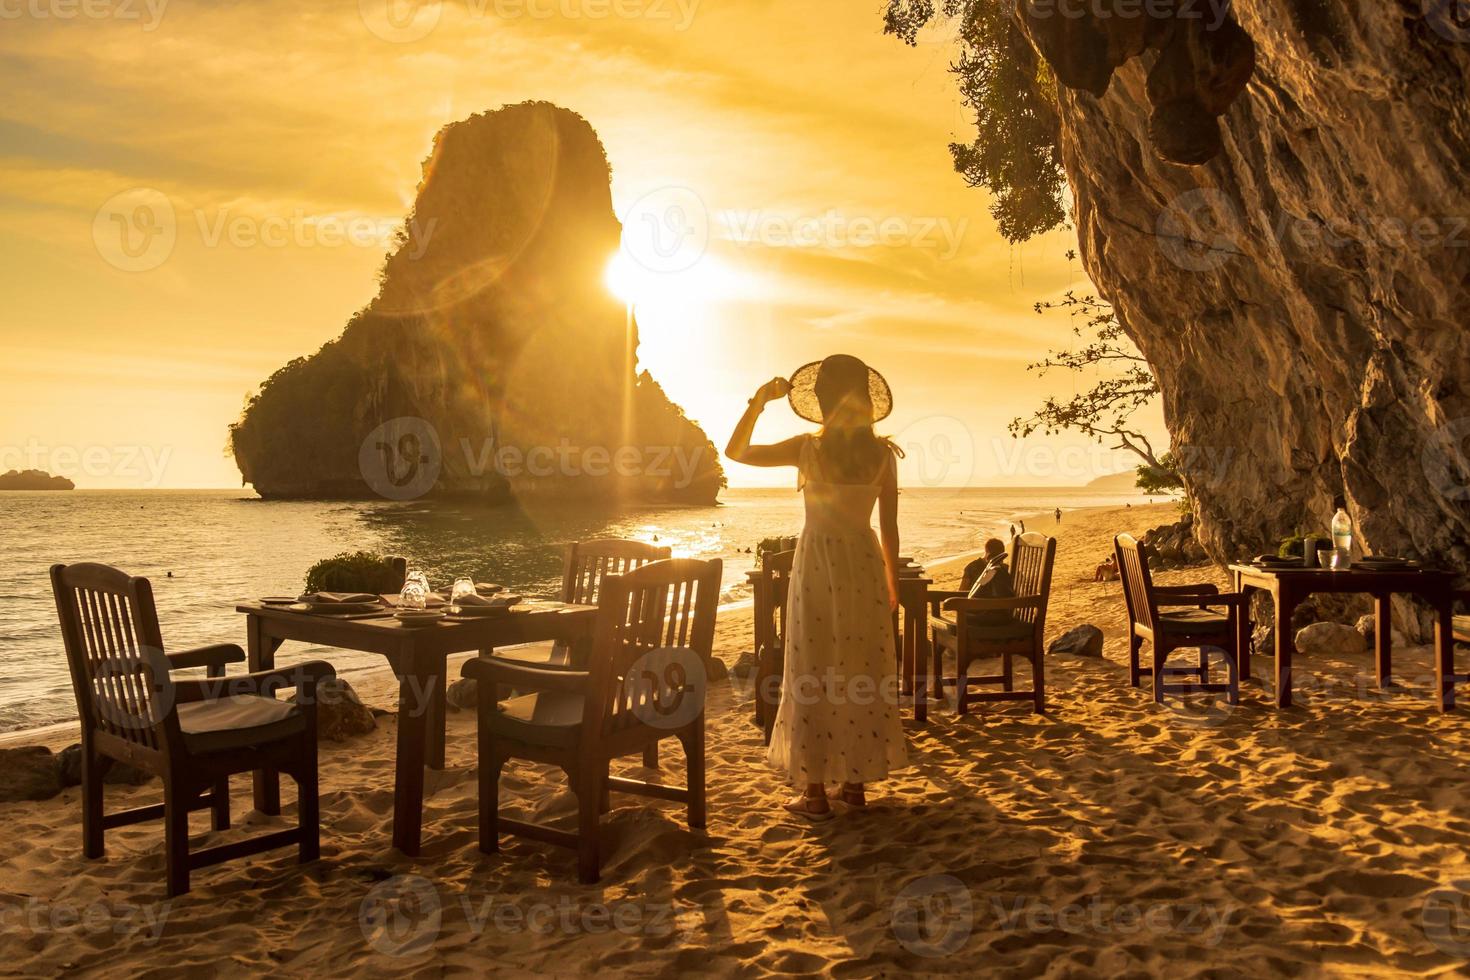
x: 956, y: 628
x: 646, y: 681
x: 1176, y: 617
x: 771, y: 647
x: 192, y: 733
x: 586, y: 564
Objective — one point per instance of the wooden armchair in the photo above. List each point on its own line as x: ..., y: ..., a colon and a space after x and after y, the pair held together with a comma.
x: 956, y: 628
x: 1177, y: 617
x: 646, y: 681
x: 193, y: 734
x: 587, y: 563
x: 771, y: 638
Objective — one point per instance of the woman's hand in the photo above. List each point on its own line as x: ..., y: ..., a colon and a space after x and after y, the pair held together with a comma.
x: 773, y: 390
x: 892, y: 594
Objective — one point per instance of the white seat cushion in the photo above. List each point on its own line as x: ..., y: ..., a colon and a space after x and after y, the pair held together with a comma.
x: 237, y: 721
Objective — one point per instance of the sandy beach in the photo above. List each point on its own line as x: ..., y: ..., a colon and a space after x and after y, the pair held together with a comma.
x: 1110, y: 836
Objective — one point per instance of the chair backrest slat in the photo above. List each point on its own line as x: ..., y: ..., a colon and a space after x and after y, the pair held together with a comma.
x: 589, y: 562
x: 120, y: 676
x: 654, y: 636
x: 1137, y: 583
x: 1032, y: 556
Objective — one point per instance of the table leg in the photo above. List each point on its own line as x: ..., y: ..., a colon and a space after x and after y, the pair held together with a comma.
x: 1444, y: 654
x: 1244, y: 627
x: 1383, y: 638
x: 1285, y: 645
x: 414, y: 680
x: 436, y: 708
x: 261, y: 655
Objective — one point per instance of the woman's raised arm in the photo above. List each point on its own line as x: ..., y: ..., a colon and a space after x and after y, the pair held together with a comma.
x: 786, y: 453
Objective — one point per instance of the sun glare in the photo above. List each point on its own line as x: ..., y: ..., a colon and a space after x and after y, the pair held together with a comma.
x: 706, y: 280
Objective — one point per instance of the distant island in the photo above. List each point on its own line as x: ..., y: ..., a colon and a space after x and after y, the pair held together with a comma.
x: 1116, y: 482
x: 34, y: 480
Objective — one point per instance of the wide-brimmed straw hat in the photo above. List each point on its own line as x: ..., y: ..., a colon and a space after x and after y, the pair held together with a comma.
x: 847, y: 369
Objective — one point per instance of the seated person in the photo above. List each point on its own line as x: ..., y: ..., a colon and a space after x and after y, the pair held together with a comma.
x: 989, y: 578
x: 1107, y: 571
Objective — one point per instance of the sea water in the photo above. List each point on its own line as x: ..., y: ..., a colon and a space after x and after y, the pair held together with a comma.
x: 204, y: 550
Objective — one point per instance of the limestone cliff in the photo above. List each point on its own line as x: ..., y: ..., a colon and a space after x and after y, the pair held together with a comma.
x: 1303, y: 296
x: 493, y: 362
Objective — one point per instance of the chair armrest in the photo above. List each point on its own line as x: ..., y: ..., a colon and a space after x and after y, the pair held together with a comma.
x: 936, y: 596
x: 1233, y: 599
x: 486, y: 670
x: 965, y: 605
x: 304, y: 677
x: 1202, y: 588
x: 214, y: 657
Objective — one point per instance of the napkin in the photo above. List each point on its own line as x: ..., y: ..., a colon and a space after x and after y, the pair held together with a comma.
x: 326, y: 598
x: 474, y: 600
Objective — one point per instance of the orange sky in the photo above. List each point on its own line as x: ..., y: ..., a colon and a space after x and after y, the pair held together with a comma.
x: 809, y: 149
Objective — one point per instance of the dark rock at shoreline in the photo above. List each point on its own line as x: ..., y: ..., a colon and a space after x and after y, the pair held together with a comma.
x: 34, y: 480
x: 69, y: 763
x: 1175, y: 544
x: 28, y: 772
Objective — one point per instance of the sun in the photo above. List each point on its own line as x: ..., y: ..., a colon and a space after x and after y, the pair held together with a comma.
x: 705, y: 281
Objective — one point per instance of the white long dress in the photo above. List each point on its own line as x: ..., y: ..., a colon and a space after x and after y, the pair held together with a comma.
x: 838, y: 720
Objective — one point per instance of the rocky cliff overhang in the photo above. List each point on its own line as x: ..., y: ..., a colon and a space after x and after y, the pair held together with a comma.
x: 1304, y: 295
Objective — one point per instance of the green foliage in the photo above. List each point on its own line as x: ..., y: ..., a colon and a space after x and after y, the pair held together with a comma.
x: 1104, y: 410
x: 1160, y: 477
x: 358, y: 571
x: 1295, y: 545
x: 1016, y: 153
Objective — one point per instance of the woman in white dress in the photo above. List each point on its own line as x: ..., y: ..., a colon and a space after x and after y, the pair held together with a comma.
x: 838, y: 720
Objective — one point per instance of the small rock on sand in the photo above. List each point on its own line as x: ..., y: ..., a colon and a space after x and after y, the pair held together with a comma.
x: 340, y: 713
x: 1081, y: 641
x: 1334, y: 639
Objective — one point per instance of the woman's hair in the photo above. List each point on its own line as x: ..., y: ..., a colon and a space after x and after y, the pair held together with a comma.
x: 851, y: 451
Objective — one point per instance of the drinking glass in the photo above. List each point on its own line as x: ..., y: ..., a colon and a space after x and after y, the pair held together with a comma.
x: 416, y: 575
x: 415, y: 596
x: 462, y: 587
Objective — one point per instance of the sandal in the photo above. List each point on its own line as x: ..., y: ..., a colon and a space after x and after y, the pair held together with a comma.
x: 852, y: 795
x: 802, y: 807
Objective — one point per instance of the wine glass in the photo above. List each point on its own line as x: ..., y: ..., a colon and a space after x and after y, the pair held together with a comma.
x: 414, y: 596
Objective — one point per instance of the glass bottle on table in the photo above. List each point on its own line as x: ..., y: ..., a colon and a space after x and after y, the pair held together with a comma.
x: 1342, y: 536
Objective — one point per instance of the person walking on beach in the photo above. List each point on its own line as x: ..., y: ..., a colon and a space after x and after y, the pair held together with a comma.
x: 837, y: 721
x: 1059, y: 515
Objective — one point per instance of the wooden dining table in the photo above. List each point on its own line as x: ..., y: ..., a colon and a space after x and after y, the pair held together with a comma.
x: 1288, y: 586
x: 419, y: 658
